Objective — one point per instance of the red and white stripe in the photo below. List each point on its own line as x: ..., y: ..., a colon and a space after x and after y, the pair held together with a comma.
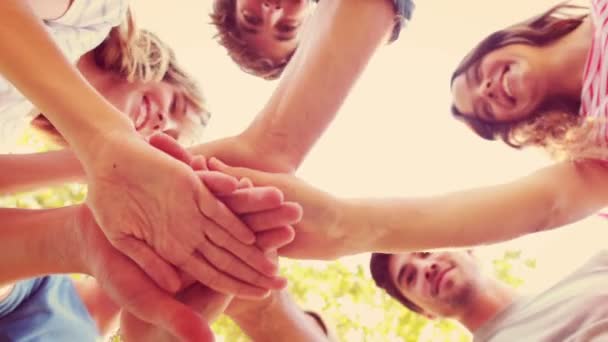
x: 594, y: 95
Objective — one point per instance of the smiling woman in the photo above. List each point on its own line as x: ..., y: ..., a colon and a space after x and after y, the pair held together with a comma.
x: 523, y: 84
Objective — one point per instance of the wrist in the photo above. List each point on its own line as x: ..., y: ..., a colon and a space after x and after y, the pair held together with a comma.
x: 361, y: 235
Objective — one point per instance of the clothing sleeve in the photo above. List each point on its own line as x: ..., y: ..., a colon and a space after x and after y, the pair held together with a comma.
x: 85, y: 25
x: 403, y: 13
x: 19, y: 293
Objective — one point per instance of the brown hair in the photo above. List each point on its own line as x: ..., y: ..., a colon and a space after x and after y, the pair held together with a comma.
x: 138, y: 56
x: 556, y: 125
x: 223, y: 17
x: 378, y: 265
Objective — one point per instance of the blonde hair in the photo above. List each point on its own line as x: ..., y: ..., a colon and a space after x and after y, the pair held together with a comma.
x: 556, y: 125
x: 137, y: 55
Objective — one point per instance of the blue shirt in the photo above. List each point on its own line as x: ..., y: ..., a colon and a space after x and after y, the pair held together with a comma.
x: 403, y: 13
x: 45, y: 309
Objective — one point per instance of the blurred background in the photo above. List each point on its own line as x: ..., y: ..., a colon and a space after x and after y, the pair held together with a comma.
x: 394, y: 136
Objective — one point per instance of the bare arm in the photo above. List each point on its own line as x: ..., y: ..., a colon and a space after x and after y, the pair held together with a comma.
x: 334, y: 227
x: 549, y: 198
x: 277, y: 315
x: 21, y: 172
x: 25, y: 43
x: 315, y: 83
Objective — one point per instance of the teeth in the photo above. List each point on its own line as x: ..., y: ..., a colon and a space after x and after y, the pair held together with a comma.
x: 505, y: 86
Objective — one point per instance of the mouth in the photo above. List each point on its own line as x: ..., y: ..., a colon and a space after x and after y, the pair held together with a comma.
x: 144, y: 114
x: 507, y: 91
x: 438, y: 279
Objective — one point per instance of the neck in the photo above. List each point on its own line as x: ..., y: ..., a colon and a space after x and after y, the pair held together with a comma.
x: 494, y: 298
x: 566, y: 67
x: 92, y: 73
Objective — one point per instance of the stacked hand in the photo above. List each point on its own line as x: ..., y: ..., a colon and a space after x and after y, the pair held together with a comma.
x: 261, y: 207
x: 157, y: 211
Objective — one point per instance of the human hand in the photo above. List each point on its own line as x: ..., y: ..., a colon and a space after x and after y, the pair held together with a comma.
x: 129, y: 286
x: 319, y: 234
x: 208, y: 303
x: 157, y: 212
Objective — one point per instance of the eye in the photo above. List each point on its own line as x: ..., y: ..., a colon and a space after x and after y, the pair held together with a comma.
x: 252, y: 19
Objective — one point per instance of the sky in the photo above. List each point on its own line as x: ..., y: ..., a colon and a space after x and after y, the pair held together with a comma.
x: 394, y: 135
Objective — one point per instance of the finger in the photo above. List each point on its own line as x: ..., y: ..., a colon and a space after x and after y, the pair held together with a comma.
x: 148, y: 302
x: 170, y: 146
x: 208, y: 275
x: 286, y: 214
x: 218, y: 183
x: 250, y: 254
x: 245, y: 183
x: 198, y: 163
x: 252, y: 200
x: 163, y: 274
x: 258, y: 177
x: 276, y: 238
x: 219, y: 213
x: 227, y: 263
x: 208, y: 303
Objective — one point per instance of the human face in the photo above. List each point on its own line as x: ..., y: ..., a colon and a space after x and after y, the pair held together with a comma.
x: 271, y: 27
x: 505, y: 85
x: 152, y: 106
x: 441, y: 283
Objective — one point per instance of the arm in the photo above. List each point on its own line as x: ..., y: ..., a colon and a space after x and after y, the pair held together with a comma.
x: 67, y: 240
x: 277, y: 315
x: 314, y: 84
x: 551, y: 197
x: 332, y: 227
x: 21, y: 172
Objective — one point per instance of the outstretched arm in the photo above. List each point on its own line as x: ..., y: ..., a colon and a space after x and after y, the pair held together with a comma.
x: 333, y: 227
x: 313, y: 87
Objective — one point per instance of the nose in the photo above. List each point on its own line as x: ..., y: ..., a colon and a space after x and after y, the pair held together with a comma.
x: 272, y: 11
x: 487, y: 89
x: 431, y: 271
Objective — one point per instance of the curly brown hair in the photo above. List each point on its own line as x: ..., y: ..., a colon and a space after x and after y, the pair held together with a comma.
x: 556, y: 125
x: 223, y: 17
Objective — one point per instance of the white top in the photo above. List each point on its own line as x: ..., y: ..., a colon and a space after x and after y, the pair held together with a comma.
x: 574, y: 309
x: 82, y: 28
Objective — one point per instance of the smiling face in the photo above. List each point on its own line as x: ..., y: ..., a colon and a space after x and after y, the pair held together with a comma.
x: 152, y: 106
x: 507, y: 84
x: 271, y: 27
x: 441, y: 283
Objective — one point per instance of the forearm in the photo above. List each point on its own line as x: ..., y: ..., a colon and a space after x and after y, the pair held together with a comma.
x: 282, y: 317
x: 36, y: 242
x: 62, y: 94
x: 317, y: 79
x: 549, y: 198
x: 22, y: 172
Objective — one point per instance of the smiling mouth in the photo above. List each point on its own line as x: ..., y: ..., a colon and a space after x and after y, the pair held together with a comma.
x: 144, y: 114
x: 438, y: 279
x: 505, y: 86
